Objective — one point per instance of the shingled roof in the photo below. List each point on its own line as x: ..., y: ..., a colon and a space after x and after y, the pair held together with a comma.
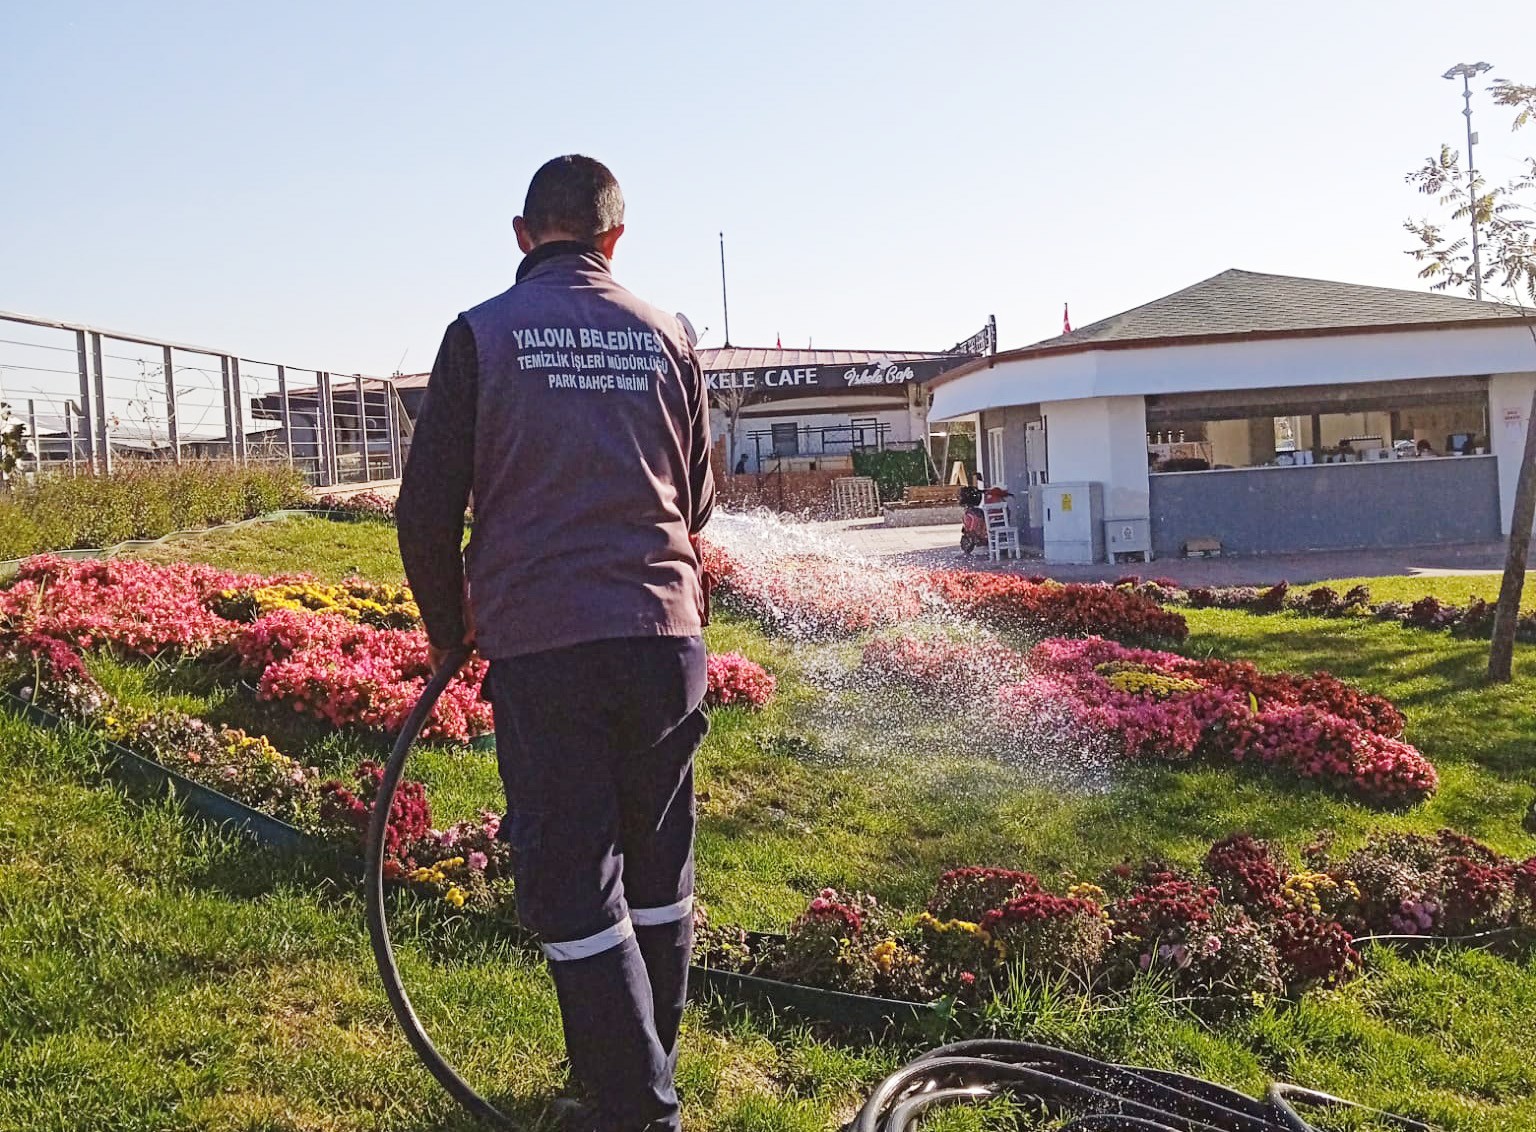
x: 1248, y: 302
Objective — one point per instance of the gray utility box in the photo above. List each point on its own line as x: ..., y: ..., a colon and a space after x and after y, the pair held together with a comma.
x: 1128, y: 536
x: 1072, y: 516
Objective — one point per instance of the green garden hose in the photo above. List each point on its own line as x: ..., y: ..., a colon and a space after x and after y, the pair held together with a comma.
x: 1096, y: 1096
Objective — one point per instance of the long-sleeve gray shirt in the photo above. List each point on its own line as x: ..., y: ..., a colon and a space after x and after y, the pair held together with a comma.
x: 577, y: 416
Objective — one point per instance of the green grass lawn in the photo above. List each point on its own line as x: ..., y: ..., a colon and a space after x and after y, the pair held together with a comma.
x: 156, y: 974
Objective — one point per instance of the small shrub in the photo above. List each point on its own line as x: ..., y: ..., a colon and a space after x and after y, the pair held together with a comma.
x: 139, y: 500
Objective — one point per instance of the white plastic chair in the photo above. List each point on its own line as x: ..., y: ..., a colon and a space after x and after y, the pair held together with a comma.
x: 1002, y: 535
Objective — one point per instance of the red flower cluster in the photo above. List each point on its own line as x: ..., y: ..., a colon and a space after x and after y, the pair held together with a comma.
x: 345, y: 815
x: 1246, y: 871
x: 279, y: 635
x: 52, y: 658
x: 369, y: 678
x: 969, y: 893
x: 1008, y: 601
x: 831, y: 910
x: 1320, y: 690
x: 134, y: 605
x: 1167, y: 908
x: 736, y: 681
x: 1314, y: 951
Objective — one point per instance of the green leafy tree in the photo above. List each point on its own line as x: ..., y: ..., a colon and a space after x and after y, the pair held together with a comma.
x: 1505, y: 216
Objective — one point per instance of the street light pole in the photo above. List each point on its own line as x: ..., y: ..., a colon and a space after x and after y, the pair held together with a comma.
x: 725, y: 302
x: 1467, y: 72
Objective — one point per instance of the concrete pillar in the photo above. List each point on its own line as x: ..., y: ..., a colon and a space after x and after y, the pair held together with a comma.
x: 1102, y: 440
x: 1509, y: 410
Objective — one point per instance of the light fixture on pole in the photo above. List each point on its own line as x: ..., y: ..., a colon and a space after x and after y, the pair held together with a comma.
x: 1467, y: 72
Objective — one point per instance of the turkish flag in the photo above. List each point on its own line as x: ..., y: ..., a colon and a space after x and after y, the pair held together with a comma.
x: 1066, y: 320
x: 778, y: 342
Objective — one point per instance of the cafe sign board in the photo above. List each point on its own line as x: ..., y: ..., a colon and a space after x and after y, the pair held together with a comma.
x: 790, y: 381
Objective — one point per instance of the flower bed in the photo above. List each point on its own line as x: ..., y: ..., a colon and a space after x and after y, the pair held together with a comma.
x: 814, y: 597
x: 1249, y: 926
x: 363, y: 505
x: 1164, y: 706
x: 1044, y: 608
x: 1160, y: 705
x: 1475, y: 619
x: 135, y: 606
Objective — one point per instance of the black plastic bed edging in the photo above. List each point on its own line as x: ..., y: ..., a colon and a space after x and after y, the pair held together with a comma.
x: 207, y: 803
x: 812, y: 1003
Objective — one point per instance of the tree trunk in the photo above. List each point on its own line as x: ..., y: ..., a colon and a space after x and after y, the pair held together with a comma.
x: 1501, y: 655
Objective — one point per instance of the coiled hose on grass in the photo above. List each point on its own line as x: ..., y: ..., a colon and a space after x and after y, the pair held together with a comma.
x: 1094, y: 1095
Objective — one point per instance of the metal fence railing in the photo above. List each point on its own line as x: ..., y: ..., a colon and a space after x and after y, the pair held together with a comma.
x: 788, y: 440
x: 89, y: 399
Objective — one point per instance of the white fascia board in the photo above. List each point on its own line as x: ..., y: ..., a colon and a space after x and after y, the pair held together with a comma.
x: 1265, y: 364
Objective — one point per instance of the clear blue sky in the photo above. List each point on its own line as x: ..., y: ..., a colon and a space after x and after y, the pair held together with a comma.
x: 329, y: 183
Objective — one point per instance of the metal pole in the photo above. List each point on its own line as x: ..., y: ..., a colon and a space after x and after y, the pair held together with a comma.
x: 83, y: 358
x: 725, y: 306
x: 103, y: 443
x: 173, y: 427
x: 391, y: 429
x: 69, y: 431
x: 1466, y: 72
x: 322, y: 427
x: 362, y: 427
x: 331, y: 474
x: 37, y: 445
x: 1477, y: 263
x: 282, y: 410
x: 229, y: 424
x: 237, y: 409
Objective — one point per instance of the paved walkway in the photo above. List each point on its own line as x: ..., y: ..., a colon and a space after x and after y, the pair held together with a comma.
x: 940, y: 546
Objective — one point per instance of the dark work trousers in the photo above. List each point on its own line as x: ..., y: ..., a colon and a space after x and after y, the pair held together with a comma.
x: 596, y: 746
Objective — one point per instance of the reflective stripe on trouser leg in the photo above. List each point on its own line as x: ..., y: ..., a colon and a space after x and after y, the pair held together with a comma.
x: 669, y: 914
x: 610, y: 1035
x: 595, y: 944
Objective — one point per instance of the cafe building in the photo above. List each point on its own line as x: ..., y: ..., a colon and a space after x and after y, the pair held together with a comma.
x: 778, y: 408
x: 1253, y: 414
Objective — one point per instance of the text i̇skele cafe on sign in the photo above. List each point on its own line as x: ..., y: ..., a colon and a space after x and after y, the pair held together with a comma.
x: 794, y: 406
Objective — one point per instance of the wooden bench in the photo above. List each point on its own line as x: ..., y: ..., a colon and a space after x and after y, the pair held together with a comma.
x: 937, y: 494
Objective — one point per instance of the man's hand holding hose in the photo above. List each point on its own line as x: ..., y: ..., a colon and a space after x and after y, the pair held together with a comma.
x: 437, y: 657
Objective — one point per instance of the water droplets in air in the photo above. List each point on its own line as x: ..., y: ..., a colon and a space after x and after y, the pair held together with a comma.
x: 906, y: 683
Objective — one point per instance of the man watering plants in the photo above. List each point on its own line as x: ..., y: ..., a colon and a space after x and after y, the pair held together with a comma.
x: 576, y: 414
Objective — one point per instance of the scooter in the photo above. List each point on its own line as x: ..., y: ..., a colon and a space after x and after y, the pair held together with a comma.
x: 973, y: 527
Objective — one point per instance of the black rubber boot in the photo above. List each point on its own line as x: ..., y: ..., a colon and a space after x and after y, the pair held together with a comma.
x: 610, y: 1038
x: 667, y: 949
